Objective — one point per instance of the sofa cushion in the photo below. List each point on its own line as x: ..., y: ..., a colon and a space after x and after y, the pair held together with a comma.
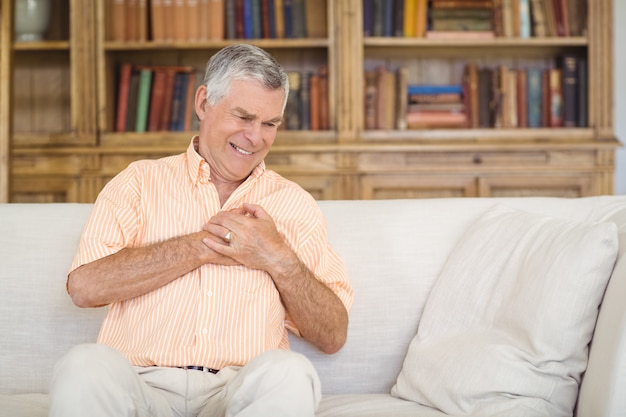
x: 510, y: 316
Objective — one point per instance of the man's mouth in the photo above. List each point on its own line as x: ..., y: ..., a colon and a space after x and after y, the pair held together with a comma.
x: 241, y: 151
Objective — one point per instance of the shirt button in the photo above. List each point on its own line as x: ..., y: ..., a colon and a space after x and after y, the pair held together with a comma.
x: 205, y: 331
x: 209, y: 293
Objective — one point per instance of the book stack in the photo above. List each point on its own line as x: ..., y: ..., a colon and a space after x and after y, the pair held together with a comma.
x: 307, y: 104
x: 436, y: 106
x: 503, y: 97
x: 471, y: 19
x: 156, y: 98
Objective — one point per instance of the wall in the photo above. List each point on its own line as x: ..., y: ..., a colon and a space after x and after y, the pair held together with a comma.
x: 619, y: 45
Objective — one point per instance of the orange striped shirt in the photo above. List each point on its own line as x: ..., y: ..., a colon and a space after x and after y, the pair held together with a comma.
x: 214, y: 316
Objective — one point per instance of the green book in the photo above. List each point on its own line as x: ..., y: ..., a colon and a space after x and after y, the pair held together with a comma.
x: 143, y: 100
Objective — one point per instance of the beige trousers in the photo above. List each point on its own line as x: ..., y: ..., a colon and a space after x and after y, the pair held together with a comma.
x: 96, y: 380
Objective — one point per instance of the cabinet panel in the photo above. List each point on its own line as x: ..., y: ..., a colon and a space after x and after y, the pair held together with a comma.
x: 555, y: 185
x: 375, y: 187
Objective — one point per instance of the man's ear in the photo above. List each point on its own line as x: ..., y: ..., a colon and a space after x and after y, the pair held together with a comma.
x: 200, y: 101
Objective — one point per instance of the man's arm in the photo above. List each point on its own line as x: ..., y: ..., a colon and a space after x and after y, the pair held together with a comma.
x: 255, y: 242
x: 131, y: 272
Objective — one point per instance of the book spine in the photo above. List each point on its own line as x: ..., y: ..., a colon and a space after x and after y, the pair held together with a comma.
x: 534, y: 94
x: 292, y: 116
x: 569, y: 69
x: 305, y: 101
x: 143, y: 100
x: 122, y: 96
x: 583, y: 92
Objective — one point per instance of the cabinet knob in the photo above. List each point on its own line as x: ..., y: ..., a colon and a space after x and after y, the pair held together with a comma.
x: 478, y: 159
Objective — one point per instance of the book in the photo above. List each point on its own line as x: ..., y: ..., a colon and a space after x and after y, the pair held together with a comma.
x: 156, y: 99
x: 471, y: 95
x: 131, y: 20
x: 402, y: 100
x: 179, y: 20
x: 142, y: 20
x: 118, y: 20
x: 189, y: 102
x: 131, y: 108
x: 123, y: 86
x: 370, y: 100
x: 485, y: 97
x: 435, y: 119
x: 555, y: 98
x: 522, y: 99
x: 279, y: 18
x: 583, y: 92
x: 569, y: 70
x: 421, y: 18
x: 178, y: 102
x: 292, y: 111
x: 534, y: 94
x: 314, y: 101
x: 230, y: 19
x: 316, y: 19
x: 157, y: 20
x: 192, y: 20
x: 305, y: 101
x: 410, y: 10
x: 538, y: 18
x: 324, y: 111
x: 525, y: 25
x: 143, y: 100
x: 299, y: 19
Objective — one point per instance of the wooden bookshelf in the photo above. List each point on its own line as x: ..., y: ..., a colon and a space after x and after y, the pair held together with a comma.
x: 58, y: 103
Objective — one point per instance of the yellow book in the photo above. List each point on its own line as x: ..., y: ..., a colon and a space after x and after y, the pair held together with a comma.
x: 410, y: 6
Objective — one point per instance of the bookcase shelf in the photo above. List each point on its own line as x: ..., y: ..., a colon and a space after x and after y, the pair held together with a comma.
x: 58, y: 101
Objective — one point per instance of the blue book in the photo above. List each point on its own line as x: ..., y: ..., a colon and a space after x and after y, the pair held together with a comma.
x: 388, y: 9
x: 524, y: 19
x: 534, y: 95
x: 368, y: 22
x: 288, y: 16
x: 247, y: 19
x: 271, y: 13
x: 435, y: 89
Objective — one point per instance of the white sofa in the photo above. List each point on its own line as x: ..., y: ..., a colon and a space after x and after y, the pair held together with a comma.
x: 395, y: 251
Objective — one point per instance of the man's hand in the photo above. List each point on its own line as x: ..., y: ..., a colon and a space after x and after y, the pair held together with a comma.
x: 249, y: 236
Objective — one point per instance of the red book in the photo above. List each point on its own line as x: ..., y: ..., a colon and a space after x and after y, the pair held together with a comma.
x: 156, y: 100
x: 122, y: 96
x: 314, y: 98
x: 167, y: 100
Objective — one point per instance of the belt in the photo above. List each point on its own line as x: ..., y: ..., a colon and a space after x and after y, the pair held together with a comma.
x: 201, y: 368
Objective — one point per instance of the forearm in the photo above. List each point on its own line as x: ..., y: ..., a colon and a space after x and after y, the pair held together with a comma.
x: 317, y: 312
x: 135, y: 271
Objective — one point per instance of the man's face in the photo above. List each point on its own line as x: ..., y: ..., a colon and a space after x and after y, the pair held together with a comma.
x: 236, y: 134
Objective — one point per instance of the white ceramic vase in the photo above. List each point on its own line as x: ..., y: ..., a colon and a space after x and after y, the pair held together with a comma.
x: 31, y: 19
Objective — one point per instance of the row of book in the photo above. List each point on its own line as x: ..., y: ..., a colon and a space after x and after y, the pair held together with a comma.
x: 156, y: 98
x: 442, y: 19
x: 307, y: 104
x: 487, y: 97
x: 161, y: 98
x: 505, y: 97
x: 206, y: 20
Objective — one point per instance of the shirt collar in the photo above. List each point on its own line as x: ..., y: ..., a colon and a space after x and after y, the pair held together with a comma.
x: 199, y: 170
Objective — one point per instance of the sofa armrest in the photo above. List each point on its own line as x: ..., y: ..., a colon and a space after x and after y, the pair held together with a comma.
x: 604, y: 383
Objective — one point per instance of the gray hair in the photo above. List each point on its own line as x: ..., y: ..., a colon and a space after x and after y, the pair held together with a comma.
x: 243, y: 62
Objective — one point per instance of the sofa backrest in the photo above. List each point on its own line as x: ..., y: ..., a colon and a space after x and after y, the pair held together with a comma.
x: 393, y: 249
